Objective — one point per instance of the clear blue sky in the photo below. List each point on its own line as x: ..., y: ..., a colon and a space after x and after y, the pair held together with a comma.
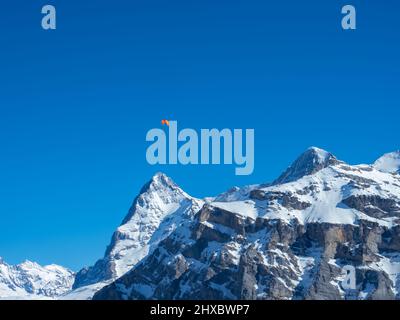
x: 76, y: 103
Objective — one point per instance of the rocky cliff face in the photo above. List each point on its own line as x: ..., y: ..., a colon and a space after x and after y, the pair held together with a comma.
x: 158, y: 210
x: 288, y: 240
x: 29, y: 280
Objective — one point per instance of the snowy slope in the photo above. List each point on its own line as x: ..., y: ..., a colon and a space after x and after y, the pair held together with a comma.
x: 29, y: 280
x: 160, y: 207
x: 84, y: 293
x: 390, y: 162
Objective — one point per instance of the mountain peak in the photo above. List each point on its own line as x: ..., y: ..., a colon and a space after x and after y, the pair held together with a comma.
x: 160, y: 186
x: 389, y: 162
x: 29, y: 264
x: 309, y: 162
x: 160, y: 183
x: 319, y: 153
x: 160, y: 207
x: 162, y: 179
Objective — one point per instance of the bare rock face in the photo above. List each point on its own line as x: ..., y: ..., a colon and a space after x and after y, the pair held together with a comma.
x: 287, y: 199
x: 374, y: 205
x: 377, y: 284
x: 228, y: 257
x: 391, y: 239
x: 321, y: 287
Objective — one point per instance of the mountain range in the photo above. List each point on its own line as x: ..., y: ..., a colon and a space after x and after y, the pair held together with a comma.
x: 29, y: 280
x: 288, y: 239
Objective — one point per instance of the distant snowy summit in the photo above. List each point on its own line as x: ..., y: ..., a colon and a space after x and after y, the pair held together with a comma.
x: 390, y: 162
x: 29, y: 280
x: 282, y: 240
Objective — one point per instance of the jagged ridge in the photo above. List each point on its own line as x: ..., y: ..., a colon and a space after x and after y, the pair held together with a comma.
x: 29, y: 280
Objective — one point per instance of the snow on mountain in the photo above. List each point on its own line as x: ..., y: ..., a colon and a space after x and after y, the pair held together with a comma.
x: 320, y: 188
x: 86, y: 292
x: 29, y: 280
x: 329, y: 196
x: 311, y: 161
x: 389, y: 162
x: 286, y: 240
x: 158, y: 210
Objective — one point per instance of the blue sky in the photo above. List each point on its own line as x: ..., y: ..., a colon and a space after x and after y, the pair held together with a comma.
x: 76, y: 103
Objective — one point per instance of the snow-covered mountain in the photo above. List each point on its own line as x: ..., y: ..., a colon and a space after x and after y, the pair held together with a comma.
x: 285, y: 240
x: 29, y: 280
x: 159, y: 209
x: 288, y: 239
